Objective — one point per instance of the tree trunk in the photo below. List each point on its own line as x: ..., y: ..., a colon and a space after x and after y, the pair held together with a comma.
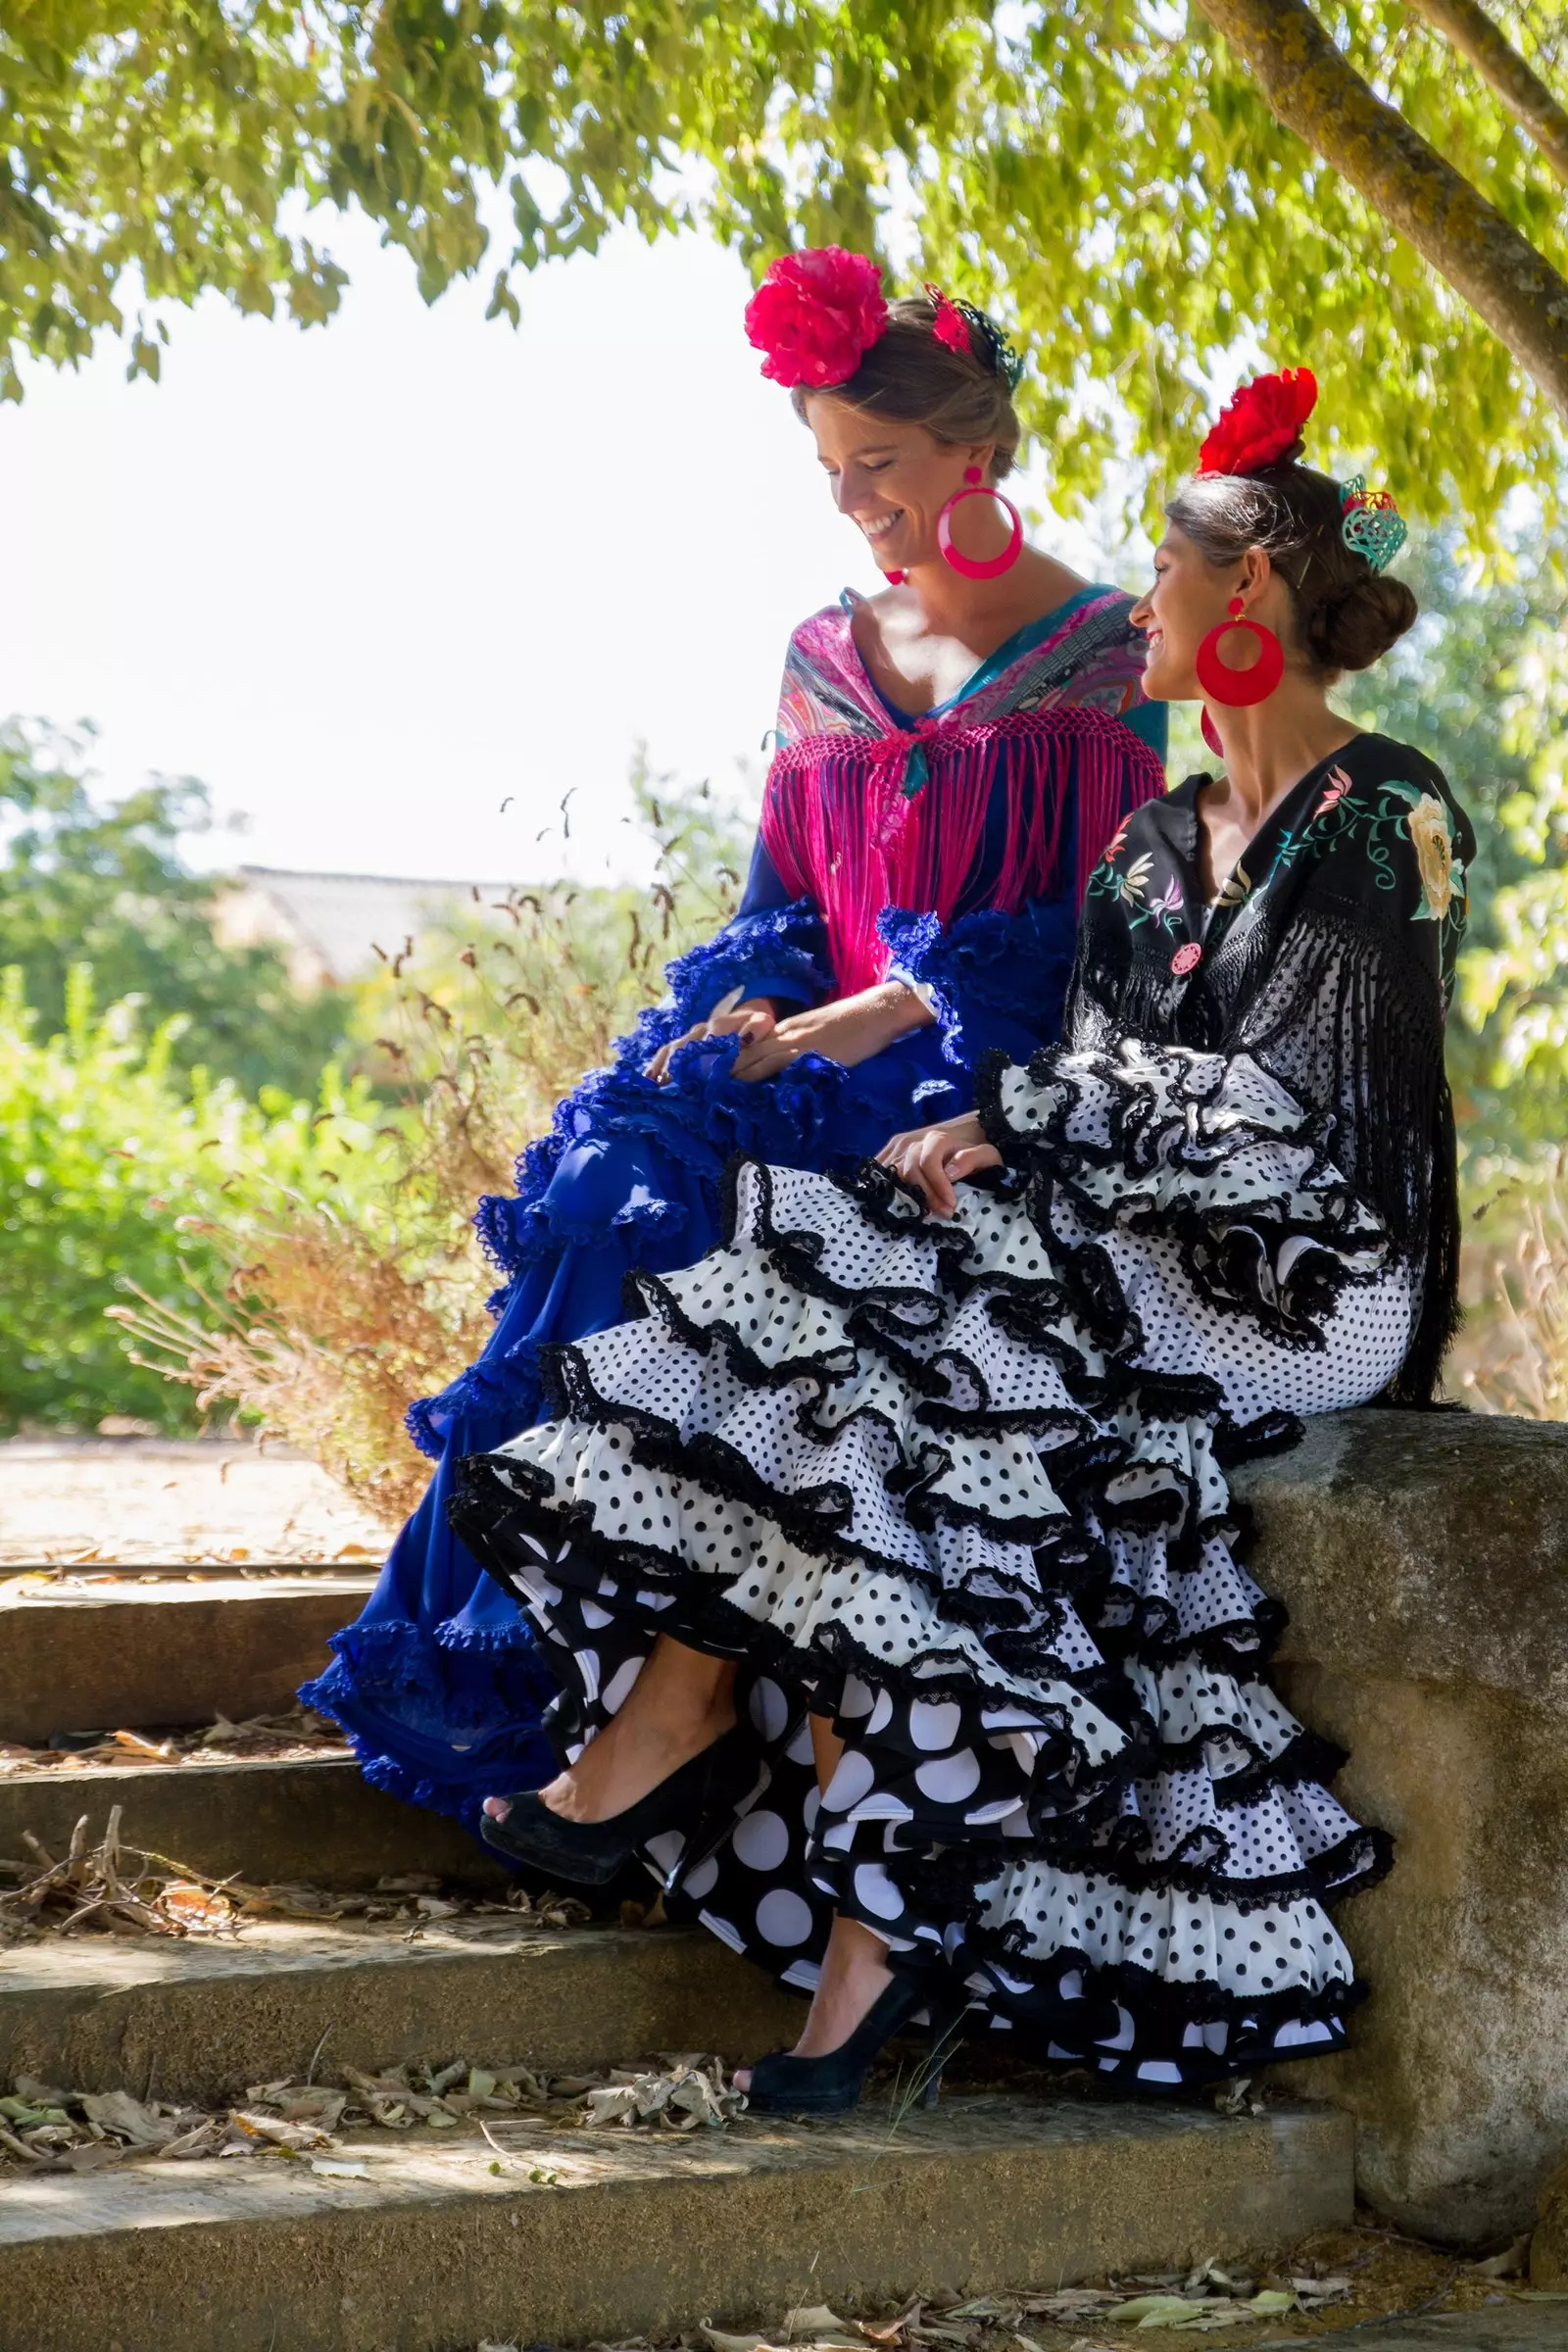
x: 1316, y: 93
x: 1506, y: 73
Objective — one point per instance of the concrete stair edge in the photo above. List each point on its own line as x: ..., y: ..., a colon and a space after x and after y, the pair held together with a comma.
x: 132, y: 1655
x: 605, y: 2235
x: 204, y: 2020
x: 315, y: 1819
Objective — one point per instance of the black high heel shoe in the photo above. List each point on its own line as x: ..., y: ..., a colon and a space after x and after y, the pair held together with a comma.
x: 705, y: 1790
x: 784, y: 2085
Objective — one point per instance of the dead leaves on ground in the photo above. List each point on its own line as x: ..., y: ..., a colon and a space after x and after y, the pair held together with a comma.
x: 110, y: 1886
x: 113, y: 1887
x: 1208, y: 2297
x: 68, y: 2131
x: 297, y: 1735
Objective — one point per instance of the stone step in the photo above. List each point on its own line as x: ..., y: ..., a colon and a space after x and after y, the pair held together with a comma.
x: 78, y: 1656
x: 202, y: 2019
x: 315, y: 1819
x: 578, y: 2235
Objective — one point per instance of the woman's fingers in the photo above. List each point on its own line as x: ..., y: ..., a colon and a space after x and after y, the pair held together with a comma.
x: 765, y: 1060
x: 972, y: 1159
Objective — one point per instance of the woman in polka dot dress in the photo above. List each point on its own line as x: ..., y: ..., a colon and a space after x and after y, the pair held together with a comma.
x: 888, y: 1558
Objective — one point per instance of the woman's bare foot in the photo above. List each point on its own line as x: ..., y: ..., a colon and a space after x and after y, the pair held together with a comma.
x: 680, y: 1703
x: 855, y: 1976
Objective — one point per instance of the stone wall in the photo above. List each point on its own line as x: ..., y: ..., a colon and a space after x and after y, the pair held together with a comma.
x: 1424, y: 1560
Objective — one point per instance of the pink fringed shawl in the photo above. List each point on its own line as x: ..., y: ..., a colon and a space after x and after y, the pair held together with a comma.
x: 844, y: 828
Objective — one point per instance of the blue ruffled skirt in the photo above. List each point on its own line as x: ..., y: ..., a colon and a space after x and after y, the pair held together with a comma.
x: 438, y: 1682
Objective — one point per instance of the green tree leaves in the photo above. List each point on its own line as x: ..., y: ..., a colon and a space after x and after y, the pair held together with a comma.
x: 1111, y: 179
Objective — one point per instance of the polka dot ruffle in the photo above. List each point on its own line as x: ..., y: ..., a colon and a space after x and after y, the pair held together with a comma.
x: 963, y: 1489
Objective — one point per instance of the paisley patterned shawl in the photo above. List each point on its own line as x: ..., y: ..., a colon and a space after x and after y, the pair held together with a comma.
x: 864, y: 812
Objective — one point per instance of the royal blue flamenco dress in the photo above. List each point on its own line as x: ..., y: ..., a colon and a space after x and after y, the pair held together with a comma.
x: 949, y: 850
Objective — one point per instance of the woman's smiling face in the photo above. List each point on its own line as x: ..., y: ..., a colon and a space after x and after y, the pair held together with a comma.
x: 1188, y: 598
x: 892, y: 480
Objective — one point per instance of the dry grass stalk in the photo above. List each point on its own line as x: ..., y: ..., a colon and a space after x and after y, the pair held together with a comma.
x: 110, y: 1885
x: 1512, y: 1356
x: 337, y: 1315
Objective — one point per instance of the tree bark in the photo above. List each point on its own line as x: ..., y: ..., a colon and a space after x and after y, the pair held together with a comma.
x: 1506, y: 73
x: 1314, y: 91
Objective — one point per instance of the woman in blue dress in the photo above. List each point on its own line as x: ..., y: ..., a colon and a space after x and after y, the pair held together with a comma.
x: 952, y: 757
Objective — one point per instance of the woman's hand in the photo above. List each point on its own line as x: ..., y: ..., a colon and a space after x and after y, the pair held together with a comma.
x: 752, y: 1020
x: 849, y: 1031
x: 935, y: 1159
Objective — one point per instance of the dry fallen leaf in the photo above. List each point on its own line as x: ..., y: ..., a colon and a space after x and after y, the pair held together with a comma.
x: 813, y: 2322
x: 118, y: 2112
x: 198, y: 1909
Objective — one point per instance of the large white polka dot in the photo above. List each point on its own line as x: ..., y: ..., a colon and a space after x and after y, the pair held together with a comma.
x: 876, y: 1890
x: 881, y: 1713
x: 810, y: 1809
x: 783, y: 1916
x: 770, y: 1709
x: 852, y: 1780
x: 667, y: 1849
x: 588, y: 1668
x: 856, y: 1700
x: 703, y: 1879
x: 619, y: 1687
x: 950, y: 1779
x: 726, y: 1929
x: 761, y: 1839
x: 934, y: 1723
x: 800, y: 1749
x: 594, y: 1615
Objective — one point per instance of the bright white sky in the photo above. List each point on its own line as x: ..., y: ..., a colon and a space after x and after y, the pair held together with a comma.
x: 368, y: 581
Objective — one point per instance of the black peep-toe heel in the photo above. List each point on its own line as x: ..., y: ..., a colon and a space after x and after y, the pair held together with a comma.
x: 705, y: 1790
x: 784, y: 2085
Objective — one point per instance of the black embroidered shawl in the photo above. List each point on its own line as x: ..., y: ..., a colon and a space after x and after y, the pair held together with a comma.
x: 1330, y: 960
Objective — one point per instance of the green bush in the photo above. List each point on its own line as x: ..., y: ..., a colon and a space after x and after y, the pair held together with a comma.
x: 111, y: 1161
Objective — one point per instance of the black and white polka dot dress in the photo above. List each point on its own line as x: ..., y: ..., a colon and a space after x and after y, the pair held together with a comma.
x: 962, y: 1487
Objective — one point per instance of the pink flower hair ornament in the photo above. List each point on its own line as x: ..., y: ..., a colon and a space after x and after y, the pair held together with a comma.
x: 816, y: 316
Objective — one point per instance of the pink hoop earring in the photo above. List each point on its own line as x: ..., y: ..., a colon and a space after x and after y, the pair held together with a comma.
x: 976, y: 568
x: 1240, y: 689
x: 895, y: 579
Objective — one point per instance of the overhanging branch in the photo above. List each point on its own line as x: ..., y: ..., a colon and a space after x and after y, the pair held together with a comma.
x: 1314, y: 91
x: 1506, y: 73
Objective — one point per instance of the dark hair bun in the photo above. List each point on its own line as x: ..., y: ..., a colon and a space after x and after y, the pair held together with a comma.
x: 1353, y: 628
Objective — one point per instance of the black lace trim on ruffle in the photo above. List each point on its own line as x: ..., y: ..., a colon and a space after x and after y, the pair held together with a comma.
x: 1018, y: 1634
x: 1165, y: 2000
x: 703, y: 1618
x: 1094, y: 1836
x: 1224, y: 1257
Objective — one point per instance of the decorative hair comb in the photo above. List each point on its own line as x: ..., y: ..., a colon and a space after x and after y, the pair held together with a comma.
x: 1371, y: 524
x: 952, y: 326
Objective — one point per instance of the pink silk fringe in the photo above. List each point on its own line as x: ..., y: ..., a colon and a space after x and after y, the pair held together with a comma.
x: 840, y: 829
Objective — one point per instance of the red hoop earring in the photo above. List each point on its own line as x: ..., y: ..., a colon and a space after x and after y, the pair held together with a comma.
x: 895, y: 579
x: 975, y: 567
x: 1240, y: 689
x: 1211, y: 734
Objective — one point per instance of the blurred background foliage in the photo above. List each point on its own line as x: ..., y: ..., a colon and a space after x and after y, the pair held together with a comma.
x: 1111, y: 178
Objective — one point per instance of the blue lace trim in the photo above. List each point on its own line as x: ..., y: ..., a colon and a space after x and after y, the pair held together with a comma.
x: 984, y: 968
x: 784, y: 943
